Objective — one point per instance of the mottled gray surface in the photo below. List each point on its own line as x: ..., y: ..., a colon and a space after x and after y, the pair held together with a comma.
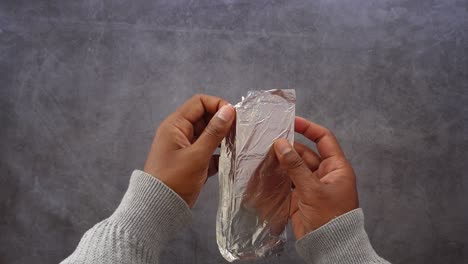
x: 83, y: 85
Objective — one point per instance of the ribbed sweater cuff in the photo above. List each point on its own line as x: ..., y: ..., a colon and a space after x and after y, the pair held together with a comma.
x: 150, y: 211
x: 342, y: 240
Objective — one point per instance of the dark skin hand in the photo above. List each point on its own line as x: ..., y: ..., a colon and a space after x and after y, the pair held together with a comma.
x: 181, y: 155
x: 325, y: 183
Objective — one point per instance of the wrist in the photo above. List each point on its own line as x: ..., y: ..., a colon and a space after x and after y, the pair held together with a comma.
x: 338, y: 241
x: 150, y: 210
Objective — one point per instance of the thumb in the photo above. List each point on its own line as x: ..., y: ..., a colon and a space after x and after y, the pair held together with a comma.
x: 295, y: 166
x: 215, y: 131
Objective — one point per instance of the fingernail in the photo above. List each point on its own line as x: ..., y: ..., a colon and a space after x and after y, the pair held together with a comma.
x: 225, y: 113
x: 283, y: 146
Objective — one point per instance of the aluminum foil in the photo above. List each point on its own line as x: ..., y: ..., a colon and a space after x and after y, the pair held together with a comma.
x: 254, y: 191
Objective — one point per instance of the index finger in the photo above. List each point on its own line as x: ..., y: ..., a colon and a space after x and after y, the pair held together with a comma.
x: 200, y: 104
x: 327, y: 145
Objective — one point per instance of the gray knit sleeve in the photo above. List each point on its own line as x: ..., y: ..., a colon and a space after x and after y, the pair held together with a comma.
x: 149, y: 215
x: 342, y: 240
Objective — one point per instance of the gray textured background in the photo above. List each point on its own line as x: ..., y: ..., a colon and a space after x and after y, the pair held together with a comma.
x: 83, y: 85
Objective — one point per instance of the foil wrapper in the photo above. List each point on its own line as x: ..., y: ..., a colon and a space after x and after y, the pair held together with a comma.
x: 254, y: 191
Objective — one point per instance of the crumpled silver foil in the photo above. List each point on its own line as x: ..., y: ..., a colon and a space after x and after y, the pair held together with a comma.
x: 254, y: 191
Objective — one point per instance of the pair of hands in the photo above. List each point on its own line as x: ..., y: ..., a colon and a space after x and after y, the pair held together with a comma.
x: 181, y: 156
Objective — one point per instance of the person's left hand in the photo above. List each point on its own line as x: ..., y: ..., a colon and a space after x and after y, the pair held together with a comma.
x: 181, y: 155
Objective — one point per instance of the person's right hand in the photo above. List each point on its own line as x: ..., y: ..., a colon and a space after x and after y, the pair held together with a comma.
x: 325, y: 184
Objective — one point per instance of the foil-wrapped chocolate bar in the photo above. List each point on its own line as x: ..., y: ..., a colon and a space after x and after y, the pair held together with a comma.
x: 254, y: 191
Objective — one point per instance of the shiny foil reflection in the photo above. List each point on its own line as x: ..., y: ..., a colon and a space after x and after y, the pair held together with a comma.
x: 254, y: 191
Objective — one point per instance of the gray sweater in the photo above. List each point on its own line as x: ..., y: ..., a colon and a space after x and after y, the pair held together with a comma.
x: 150, y: 214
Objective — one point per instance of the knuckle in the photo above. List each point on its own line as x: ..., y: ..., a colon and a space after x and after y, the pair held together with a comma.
x: 341, y: 162
x: 328, y: 132
x: 198, y: 96
x: 181, y: 124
